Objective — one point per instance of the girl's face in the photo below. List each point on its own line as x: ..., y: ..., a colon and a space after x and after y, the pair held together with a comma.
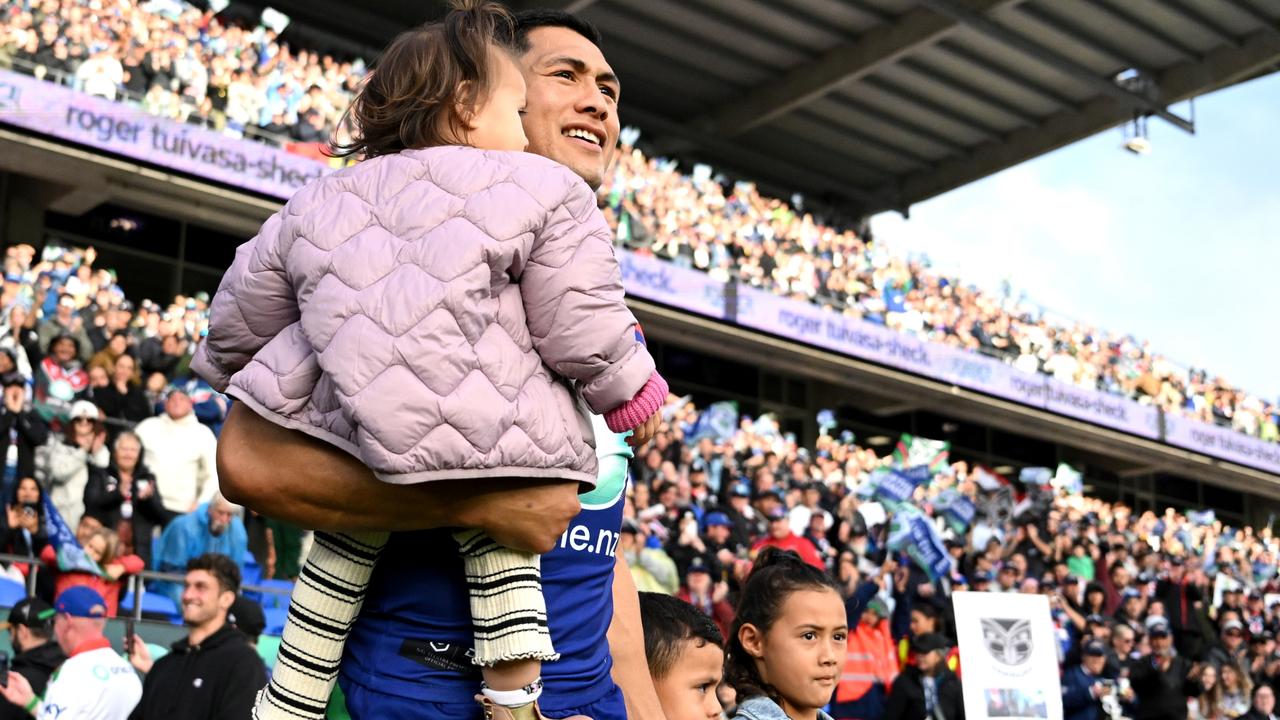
x: 1208, y: 677
x: 496, y: 125
x: 96, y: 548
x: 803, y: 652
x: 1229, y: 679
x: 28, y: 491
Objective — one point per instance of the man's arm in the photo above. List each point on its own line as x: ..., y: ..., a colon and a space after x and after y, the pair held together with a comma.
x: 290, y: 476
x: 626, y: 644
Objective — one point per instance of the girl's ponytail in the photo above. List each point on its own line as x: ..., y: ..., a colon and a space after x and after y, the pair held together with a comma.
x: 776, y: 575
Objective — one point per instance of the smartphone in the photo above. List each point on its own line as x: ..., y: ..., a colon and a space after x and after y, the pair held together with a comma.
x: 128, y: 636
x: 4, y: 669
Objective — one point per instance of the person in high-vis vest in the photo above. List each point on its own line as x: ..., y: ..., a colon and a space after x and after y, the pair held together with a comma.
x: 925, y: 618
x: 871, y: 663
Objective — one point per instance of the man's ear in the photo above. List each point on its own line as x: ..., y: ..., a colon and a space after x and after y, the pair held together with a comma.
x: 752, y: 640
x: 226, y: 599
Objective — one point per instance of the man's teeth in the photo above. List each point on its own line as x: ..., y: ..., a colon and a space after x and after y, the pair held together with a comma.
x: 584, y: 134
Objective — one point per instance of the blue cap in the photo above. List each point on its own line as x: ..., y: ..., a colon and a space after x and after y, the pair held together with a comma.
x: 741, y: 490
x: 1131, y: 593
x: 81, y: 601
x: 981, y: 576
x: 777, y: 513
x: 718, y: 518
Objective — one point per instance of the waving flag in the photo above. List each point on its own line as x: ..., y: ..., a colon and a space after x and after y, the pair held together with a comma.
x: 718, y: 422
x: 1038, y: 476
x: 956, y: 509
x: 1068, y: 479
x: 71, y: 557
x: 988, y: 479
x: 894, y: 488
x: 913, y: 451
x: 912, y: 531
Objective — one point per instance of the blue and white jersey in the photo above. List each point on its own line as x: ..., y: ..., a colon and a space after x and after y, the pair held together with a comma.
x: 413, y: 638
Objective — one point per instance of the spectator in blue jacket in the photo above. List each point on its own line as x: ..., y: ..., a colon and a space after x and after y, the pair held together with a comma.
x: 1086, y: 685
x: 213, y: 527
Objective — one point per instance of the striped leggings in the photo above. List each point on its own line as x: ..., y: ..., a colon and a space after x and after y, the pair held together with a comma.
x: 508, y: 613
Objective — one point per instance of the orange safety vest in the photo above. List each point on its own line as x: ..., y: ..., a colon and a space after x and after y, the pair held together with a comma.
x: 870, y: 660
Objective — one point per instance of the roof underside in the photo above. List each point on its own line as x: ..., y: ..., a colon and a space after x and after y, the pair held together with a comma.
x: 868, y: 105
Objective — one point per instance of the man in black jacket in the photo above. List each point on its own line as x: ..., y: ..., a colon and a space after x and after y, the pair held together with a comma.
x: 1164, y: 679
x: 37, y: 656
x: 20, y: 426
x: 927, y: 690
x: 213, y: 672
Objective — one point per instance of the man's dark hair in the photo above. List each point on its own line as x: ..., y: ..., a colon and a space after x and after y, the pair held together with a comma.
x: 221, y: 567
x: 668, y: 622
x: 529, y: 20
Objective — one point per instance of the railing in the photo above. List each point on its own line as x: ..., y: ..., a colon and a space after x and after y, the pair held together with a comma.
x: 135, y: 581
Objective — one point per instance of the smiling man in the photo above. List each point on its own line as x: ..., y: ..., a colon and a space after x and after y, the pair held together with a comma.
x: 408, y: 653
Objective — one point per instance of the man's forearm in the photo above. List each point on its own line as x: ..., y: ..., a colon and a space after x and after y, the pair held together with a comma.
x: 626, y: 645
x: 290, y: 476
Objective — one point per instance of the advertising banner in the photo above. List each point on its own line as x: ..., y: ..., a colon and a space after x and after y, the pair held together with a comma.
x: 686, y: 289
x: 1222, y: 443
x: 1009, y: 655
x: 112, y: 127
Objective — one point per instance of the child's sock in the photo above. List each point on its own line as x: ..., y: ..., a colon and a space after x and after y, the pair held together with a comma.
x: 507, y: 606
x: 325, y: 603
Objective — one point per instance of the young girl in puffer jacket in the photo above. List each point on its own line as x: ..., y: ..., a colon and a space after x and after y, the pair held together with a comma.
x: 442, y: 310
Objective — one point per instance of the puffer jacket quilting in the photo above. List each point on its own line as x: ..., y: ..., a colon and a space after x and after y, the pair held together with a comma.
x: 436, y: 313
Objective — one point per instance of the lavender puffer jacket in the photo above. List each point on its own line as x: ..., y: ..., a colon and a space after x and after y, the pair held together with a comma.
x: 437, y: 313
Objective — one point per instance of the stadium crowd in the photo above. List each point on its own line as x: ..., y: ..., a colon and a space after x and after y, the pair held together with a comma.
x: 101, y: 414
x: 182, y: 63
x: 735, y: 233
x: 1172, y: 615
x: 186, y: 64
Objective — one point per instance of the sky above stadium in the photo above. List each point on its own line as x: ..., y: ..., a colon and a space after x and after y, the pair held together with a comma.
x: 1180, y: 247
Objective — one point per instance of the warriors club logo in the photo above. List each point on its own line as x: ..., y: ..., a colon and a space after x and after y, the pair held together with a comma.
x: 1007, y: 640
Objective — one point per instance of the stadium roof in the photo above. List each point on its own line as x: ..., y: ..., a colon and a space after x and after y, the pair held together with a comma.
x: 877, y: 104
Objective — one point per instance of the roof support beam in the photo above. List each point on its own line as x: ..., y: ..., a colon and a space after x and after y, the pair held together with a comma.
x: 1256, y: 14
x: 1124, y: 16
x: 837, y: 67
x: 569, y: 6
x: 1063, y: 64
x: 1220, y: 67
x: 1198, y: 18
x: 1007, y: 74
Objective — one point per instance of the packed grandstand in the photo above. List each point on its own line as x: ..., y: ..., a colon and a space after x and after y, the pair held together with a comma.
x: 106, y: 418
x: 239, y: 80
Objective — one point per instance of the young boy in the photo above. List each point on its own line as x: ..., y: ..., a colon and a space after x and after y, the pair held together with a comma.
x: 685, y: 651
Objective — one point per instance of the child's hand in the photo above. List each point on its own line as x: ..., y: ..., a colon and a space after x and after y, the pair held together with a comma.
x: 643, y: 434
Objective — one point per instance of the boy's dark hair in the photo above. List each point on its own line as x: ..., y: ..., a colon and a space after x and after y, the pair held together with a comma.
x: 527, y: 21
x: 425, y: 81
x: 222, y: 568
x: 669, y: 621
x: 776, y: 575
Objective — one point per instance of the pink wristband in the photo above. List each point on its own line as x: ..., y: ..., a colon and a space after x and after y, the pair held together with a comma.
x: 631, y: 414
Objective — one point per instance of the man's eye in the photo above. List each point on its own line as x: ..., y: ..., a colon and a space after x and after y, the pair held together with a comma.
x: 608, y: 91
x: 810, y: 636
x: 566, y: 74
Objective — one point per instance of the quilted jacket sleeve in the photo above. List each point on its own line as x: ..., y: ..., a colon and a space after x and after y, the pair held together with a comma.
x: 254, y: 302
x: 573, y: 297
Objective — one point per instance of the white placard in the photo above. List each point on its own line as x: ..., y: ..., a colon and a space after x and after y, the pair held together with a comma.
x: 1009, y: 656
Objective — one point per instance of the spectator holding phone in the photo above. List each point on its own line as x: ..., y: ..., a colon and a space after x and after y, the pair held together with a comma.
x: 1087, y: 684
x: 36, y: 655
x: 21, y: 430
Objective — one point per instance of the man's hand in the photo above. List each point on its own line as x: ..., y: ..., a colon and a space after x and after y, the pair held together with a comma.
x: 139, y: 655
x: 18, y: 691
x: 643, y: 434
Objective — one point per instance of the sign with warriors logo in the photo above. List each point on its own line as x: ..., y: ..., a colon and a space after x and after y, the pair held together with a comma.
x: 1009, y: 652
